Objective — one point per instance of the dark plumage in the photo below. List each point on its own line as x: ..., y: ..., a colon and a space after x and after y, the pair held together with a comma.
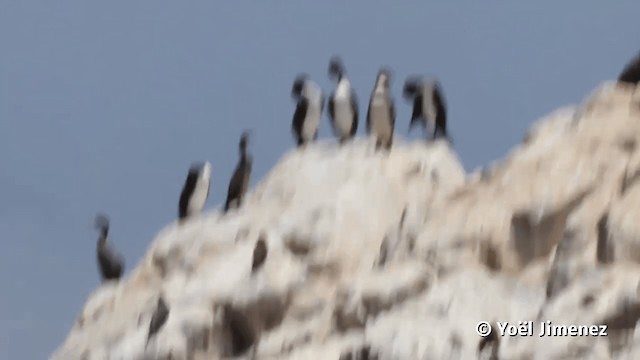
x: 259, y: 254
x: 429, y: 104
x: 631, y: 73
x: 298, y: 119
x: 491, y: 341
x: 189, y: 185
x: 309, y: 104
x: 195, y: 190
x: 343, y: 103
x: 159, y: 318
x: 111, y: 263
x: 241, y: 176
x: 298, y: 85
x: 336, y: 68
x: 301, y: 108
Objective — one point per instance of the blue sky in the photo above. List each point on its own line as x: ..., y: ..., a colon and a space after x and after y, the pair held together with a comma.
x: 104, y: 105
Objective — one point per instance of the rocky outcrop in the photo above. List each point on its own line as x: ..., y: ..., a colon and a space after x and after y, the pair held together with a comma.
x: 400, y: 255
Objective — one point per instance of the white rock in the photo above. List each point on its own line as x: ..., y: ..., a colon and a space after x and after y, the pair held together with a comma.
x: 400, y: 255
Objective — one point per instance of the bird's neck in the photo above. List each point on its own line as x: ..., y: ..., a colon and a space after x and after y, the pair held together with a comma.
x: 312, y: 92
x: 245, y: 158
x: 343, y: 88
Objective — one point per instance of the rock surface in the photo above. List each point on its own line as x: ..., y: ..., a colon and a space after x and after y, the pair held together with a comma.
x: 400, y: 255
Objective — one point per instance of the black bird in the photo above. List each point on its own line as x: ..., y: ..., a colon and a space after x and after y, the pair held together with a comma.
x: 259, y: 254
x: 111, y: 263
x: 343, y: 103
x: 158, y: 319
x: 429, y: 104
x: 241, y: 175
x: 631, y: 73
x: 309, y: 104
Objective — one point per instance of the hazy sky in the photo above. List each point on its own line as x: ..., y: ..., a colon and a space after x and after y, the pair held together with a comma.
x: 104, y: 105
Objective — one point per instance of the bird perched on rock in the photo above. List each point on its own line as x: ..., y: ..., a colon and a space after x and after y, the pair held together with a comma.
x: 631, y: 72
x: 195, y: 190
x: 429, y: 105
x: 259, y: 254
x: 158, y: 319
x: 310, y: 102
x: 111, y: 263
x: 241, y: 175
x: 381, y: 115
x: 343, y: 104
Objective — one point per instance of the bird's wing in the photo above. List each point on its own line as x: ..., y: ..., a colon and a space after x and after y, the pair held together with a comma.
x: 392, y: 110
x: 438, y: 96
x: 440, y: 105
x: 331, y: 108
x: 417, y: 108
x: 356, y: 111
x: 299, y: 114
x: 235, y: 186
x: 368, y: 121
x: 187, y: 188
